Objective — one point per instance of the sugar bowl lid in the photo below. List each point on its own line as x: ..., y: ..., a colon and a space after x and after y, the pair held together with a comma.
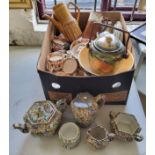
x: 107, y: 42
x: 41, y: 112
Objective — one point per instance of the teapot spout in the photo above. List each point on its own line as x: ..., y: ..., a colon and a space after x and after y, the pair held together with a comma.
x: 22, y: 127
x: 56, y: 23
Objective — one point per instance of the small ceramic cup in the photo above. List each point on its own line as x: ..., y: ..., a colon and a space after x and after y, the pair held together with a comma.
x: 55, y: 60
x: 98, y: 137
x: 69, y: 135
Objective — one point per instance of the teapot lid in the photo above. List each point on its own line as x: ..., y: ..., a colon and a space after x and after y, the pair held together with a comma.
x: 40, y: 112
x: 107, y: 42
x: 83, y: 100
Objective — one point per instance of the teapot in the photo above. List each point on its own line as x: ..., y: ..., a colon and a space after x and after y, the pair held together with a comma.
x: 42, y: 118
x: 65, y: 21
x: 105, y: 50
x: 84, y: 108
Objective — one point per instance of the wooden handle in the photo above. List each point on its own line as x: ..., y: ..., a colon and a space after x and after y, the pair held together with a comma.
x: 76, y: 7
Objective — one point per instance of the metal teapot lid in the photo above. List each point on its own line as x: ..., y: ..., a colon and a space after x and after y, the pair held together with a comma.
x: 107, y: 42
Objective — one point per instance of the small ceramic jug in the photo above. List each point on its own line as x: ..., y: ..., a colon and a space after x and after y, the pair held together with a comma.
x: 84, y: 107
x: 98, y: 137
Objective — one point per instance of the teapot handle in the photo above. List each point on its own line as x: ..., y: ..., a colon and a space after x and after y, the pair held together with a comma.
x: 139, y: 138
x: 78, y: 9
x: 22, y: 127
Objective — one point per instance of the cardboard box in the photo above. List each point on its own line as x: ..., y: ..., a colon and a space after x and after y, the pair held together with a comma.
x: 115, y: 87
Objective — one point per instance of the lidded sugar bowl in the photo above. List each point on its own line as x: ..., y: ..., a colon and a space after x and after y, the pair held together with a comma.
x: 125, y: 126
x: 84, y: 107
x: 42, y: 118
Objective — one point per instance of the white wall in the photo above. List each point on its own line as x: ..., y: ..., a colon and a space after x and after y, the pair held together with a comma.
x: 21, y: 28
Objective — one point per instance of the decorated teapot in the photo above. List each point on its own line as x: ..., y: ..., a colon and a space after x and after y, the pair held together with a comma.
x: 42, y: 118
x: 106, y: 49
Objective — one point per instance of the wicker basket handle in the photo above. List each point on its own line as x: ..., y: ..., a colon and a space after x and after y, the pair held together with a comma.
x: 78, y: 10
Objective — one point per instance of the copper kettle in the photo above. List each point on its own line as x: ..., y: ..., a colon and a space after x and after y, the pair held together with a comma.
x: 65, y: 22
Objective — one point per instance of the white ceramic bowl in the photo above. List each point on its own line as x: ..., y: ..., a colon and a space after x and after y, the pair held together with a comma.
x: 69, y: 135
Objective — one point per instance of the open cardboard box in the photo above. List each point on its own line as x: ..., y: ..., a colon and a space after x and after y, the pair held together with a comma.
x: 115, y: 87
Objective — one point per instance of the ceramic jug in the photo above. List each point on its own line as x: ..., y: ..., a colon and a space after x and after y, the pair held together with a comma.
x: 84, y: 107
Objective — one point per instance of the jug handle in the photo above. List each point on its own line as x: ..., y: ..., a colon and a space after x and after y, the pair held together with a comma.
x: 78, y: 9
x: 55, y: 22
x: 100, y: 99
x: 22, y: 127
x: 112, y: 115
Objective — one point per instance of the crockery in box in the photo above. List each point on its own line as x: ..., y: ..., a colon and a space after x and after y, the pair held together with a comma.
x: 58, y: 44
x: 115, y: 86
x: 55, y: 60
x: 42, y: 118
